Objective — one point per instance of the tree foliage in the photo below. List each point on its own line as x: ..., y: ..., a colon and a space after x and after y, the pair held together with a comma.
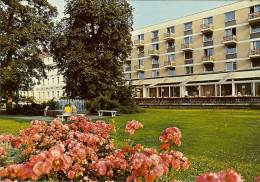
x: 90, y: 45
x: 24, y: 30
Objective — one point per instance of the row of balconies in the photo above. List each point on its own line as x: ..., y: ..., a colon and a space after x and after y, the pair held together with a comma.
x: 227, y: 40
x: 207, y: 28
x: 204, y: 60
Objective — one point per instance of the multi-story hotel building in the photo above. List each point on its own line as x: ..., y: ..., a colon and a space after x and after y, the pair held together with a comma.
x: 50, y: 87
x: 212, y: 53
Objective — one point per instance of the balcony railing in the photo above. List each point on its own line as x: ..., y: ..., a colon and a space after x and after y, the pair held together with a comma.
x: 168, y: 36
x: 207, y: 59
x: 230, y: 39
x: 254, y: 53
x: 205, y: 28
x: 153, y: 52
x: 139, y: 68
x: 128, y: 68
x: 186, y: 47
x: 254, y: 17
x: 169, y: 64
x: 139, y: 43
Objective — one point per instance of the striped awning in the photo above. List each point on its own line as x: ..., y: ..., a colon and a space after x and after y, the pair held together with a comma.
x: 208, y: 77
x: 245, y: 74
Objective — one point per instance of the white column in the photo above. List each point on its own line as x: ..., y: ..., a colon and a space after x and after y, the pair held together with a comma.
x: 233, y: 88
x: 199, y: 91
x: 169, y: 91
x: 253, y: 88
x: 157, y: 92
x: 148, y: 92
x: 144, y: 92
x: 220, y: 90
x: 216, y: 90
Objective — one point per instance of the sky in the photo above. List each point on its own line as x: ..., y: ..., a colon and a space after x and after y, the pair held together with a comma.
x: 148, y: 12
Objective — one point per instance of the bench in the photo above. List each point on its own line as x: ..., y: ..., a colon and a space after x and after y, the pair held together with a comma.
x: 62, y: 116
x: 113, y: 113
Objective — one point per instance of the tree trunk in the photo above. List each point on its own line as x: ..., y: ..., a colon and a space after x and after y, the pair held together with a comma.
x: 9, y: 101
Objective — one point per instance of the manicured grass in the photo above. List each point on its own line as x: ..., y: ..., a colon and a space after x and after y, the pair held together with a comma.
x: 13, y: 125
x: 213, y: 140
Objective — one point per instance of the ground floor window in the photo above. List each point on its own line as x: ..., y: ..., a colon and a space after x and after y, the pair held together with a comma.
x: 192, y: 91
x: 243, y: 89
x: 257, y: 89
x: 207, y: 90
x: 226, y: 90
x: 139, y: 92
x: 152, y: 92
x: 174, y: 91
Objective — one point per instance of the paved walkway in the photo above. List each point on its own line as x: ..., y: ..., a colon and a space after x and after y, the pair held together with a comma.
x: 41, y: 118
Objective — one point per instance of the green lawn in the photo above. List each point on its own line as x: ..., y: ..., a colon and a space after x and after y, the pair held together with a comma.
x: 213, y: 140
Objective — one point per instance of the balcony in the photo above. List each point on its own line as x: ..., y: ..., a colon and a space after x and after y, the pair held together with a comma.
x: 139, y: 68
x: 186, y: 47
x: 230, y: 39
x: 254, y: 17
x: 206, y: 28
x: 139, y: 43
x: 207, y: 59
x: 153, y: 53
x: 128, y: 68
x: 254, y: 53
x: 168, y: 36
x: 169, y: 64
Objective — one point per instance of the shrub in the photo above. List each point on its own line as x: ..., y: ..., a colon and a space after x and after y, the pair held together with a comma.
x: 103, y: 102
x: 84, y: 150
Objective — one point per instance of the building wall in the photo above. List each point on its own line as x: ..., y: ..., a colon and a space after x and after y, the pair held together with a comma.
x: 219, y: 26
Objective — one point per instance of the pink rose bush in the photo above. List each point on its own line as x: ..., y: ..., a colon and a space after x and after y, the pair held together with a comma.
x: 84, y: 150
x: 228, y: 176
x: 131, y: 126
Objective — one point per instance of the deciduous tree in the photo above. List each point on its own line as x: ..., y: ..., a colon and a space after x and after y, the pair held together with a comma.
x: 25, y: 28
x: 90, y: 45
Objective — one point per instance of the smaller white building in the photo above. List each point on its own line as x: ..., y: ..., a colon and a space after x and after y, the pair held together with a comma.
x: 49, y: 88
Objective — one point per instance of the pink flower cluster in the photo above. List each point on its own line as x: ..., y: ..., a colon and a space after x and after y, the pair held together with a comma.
x: 84, y: 150
x: 228, y: 176
x: 131, y: 126
x: 171, y: 135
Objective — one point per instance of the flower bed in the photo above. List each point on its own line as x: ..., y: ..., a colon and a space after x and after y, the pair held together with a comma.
x: 84, y: 150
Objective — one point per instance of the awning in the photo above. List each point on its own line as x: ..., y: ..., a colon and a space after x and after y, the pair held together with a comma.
x: 146, y: 82
x: 174, y: 80
x: 245, y: 74
x: 207, y: 77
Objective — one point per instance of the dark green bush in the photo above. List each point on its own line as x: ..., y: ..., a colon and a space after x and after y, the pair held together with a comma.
x: 104, y: 103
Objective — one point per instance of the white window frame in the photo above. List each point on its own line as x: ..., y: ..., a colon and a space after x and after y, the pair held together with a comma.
x: 139, y: 75
x: 232, y: 65
x: 251, y: 29
x: 230, y: 53
x: 190, y: 39
x: 141, y: 61
x: 186, y: 24
x: 208, y: 40
x: 208, y: 71
x: 169, y: 28
x: 169, y: 56
x: 169, y: 74
x: 206, y: 22
x: 155, y: 59
x: 154, y: 32
x: 156, y: 73
x: 232, y: 19
x: 189, y: 70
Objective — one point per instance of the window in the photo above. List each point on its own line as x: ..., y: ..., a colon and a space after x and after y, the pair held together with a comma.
x: 231, y: 49
x: 141, y: 37
x: 48, y: 95
x: 230, y: 16
x: 171, y: 57
x: 128, y: 76
x: 170, y: 29
x: 231, y: 66
x: 187, y: 26
x: 170, y: 44
x: 255, y: 45
x: 155, y: 73
x: 58, y: 94
x: 209, y: 52
x: 53, y: 95
x: 255, y: 28
x: 141, y: 62
x: 140, y: 50
x: 171, y: 72
x: 188, y: 70
x: 140, y: 75
x: 155, y: 34
x: 209, y: 68
x: 155, y: 61
x: 207, y: 37
x: 188, y: 55
x: 58, y: 80
x: 48, y: 81
x: 53, y: 81
x: 188, y: 40
x: 255, y: 9
x: 208, y: 20
x: 255, y: 63
x: 39, y: 93
x: 155, y: 46
x: 231, y: 31
x: 128, y: 64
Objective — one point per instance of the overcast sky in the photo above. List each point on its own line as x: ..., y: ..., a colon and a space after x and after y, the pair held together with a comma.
x: 148, y: 13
